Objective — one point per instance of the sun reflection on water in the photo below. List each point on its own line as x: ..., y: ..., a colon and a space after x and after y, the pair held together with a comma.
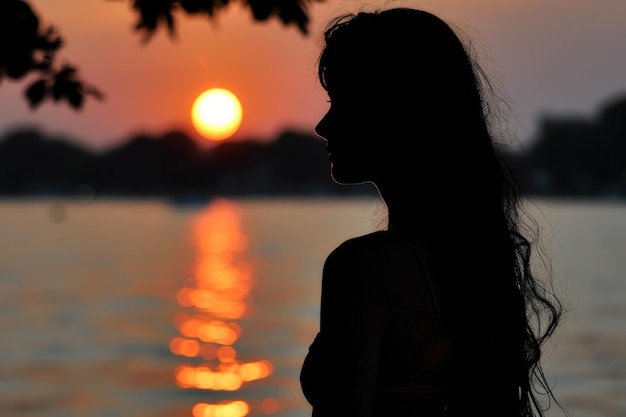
x: 214, y: 298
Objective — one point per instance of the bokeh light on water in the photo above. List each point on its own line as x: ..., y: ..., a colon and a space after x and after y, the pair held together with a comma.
x: 212, y: 300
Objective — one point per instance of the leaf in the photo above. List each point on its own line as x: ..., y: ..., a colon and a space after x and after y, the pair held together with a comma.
x: 49, y: 41
x: 261, y: 9
x: 288, y: 11
x: 202, y: 6
x: 92, y: 91
x: 74, y: 95
x: 58, y: 89
x: 294, y: 12
x: 67, y: 73
x: 63, y: 81
x: 36, y: 93
x: 70, y: 90
x: 151, y: 12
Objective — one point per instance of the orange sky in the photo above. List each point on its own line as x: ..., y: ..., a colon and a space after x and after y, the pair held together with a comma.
x: 558, y: 56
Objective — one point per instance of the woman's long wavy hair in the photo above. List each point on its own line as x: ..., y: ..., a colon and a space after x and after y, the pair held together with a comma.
x: 497, y: 310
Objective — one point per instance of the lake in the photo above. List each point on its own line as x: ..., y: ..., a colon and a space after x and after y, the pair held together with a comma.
x: 143, y: 308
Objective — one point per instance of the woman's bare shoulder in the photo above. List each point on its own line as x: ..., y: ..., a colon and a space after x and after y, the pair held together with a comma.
x: 372, y: 251
x: 377, y: 266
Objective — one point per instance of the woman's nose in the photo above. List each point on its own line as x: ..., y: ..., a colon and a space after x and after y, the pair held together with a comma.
x: 321, y: 129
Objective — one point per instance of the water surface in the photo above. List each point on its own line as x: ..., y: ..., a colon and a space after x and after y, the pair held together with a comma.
x: 141, y: 308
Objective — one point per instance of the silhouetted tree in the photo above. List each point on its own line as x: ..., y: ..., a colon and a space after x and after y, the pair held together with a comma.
x: 155, y: 13
x: 27, y: 48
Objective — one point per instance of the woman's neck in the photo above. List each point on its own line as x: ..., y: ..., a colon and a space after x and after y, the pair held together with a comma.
x: 422, y: 214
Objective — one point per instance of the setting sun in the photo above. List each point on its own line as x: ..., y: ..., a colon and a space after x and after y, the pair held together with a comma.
x: 216, y: 114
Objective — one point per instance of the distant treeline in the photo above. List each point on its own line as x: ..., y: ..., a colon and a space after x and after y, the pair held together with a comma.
x: 172, y: 166
x: 569, y: 157
x: 574, y: 156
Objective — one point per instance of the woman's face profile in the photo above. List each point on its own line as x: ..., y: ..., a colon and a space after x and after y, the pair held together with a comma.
x: 357, y: 125
x: 353, y: 141
x: 366, y: 139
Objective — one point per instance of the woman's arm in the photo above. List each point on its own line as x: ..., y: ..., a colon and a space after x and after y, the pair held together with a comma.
x: 352, y: 322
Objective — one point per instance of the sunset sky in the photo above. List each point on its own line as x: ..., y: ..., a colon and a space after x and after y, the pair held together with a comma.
x: 557, y: 56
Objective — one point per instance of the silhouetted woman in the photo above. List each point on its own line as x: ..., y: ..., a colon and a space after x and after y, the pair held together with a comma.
x: 438, y: 314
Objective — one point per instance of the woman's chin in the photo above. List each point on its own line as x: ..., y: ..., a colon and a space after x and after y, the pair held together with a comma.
x: 345, y: 178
